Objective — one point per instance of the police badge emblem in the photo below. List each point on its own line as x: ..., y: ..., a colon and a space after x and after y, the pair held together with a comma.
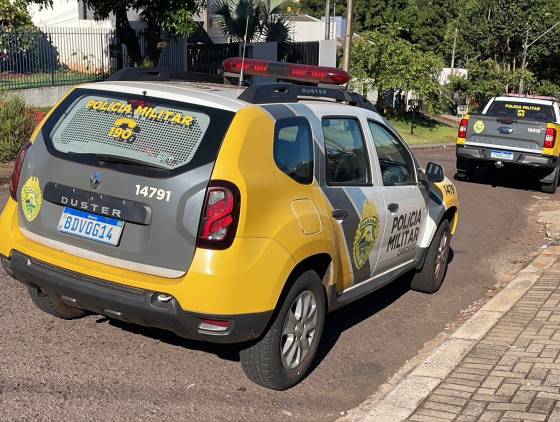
x: 31, y: 198
x: 366, y: 235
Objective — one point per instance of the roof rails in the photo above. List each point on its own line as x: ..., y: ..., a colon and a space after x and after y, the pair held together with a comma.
x: 533, y: 97
x: 162, y: 75
x: 285, y: 92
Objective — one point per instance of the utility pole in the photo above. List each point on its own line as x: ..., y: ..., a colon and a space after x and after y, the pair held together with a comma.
x: 454, y: 48
x: 349, y: 32
x: 524, y: 61
x: 327, y: 19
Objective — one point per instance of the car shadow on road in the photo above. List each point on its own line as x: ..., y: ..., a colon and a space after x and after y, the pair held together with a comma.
x: 223, y: 351
x: 337, y: 322
x: 504, y: 178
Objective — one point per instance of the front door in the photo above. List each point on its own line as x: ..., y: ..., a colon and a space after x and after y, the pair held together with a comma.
x: 357, y: 203
x: 405, y: 206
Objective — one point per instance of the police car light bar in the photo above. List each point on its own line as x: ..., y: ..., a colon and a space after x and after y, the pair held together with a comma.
x: 533, y: 97
x: 290, y: 71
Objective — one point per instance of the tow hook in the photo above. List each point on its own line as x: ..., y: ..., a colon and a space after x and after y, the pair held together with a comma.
x: 499, y: 164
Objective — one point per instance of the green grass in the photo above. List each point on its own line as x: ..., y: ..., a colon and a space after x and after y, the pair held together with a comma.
x: 9, y: 81
x: 426, y: 131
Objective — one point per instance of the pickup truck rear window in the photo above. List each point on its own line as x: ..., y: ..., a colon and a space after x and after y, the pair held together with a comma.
x: 519, y: 110
x: 154, y: 131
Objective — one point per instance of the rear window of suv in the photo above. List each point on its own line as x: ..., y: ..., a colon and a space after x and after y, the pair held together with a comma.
x: 520, y: 110
x: 154, y: 131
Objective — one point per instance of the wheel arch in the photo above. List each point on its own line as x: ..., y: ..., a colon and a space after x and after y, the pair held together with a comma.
x: 321, y: 263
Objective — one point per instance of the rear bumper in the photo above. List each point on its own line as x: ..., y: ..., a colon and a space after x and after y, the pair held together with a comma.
x: 130, y: 304
x: 477, y: 153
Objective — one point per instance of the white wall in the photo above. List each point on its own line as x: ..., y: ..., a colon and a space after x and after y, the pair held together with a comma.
x: 446, y: 72
x: 312, y: 30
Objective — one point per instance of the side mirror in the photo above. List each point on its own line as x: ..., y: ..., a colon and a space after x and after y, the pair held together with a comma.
x: 435, y: 172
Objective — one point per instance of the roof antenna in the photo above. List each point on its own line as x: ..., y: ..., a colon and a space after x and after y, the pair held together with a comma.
x: 244, y: 46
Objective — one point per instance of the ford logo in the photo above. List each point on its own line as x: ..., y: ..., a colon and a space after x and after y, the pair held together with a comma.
x: 505, y: 130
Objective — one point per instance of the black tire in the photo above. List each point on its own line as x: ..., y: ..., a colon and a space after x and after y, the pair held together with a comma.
x: 464, y: 169
x: 263, y: 361
x: 551, y: 187
x: 430, y: 277
x: 52, y: 305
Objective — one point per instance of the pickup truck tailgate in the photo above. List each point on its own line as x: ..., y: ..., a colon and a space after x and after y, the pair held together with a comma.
x: 506, y: 133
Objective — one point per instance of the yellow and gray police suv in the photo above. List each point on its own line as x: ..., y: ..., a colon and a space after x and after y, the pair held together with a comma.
x: 225, y: 214
x: 514, y: 131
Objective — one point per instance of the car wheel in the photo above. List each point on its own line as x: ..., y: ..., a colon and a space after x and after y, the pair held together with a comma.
x: 53, y: 305
x: 551, y: 187
x: 430, y: 277
x: 282, y: 357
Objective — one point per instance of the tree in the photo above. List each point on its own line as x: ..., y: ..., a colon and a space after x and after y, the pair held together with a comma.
x: 156, y: 15
x: 487, y: 79
x: 14, y: 14
x: 261, y: 19
x: 384, y: 61
x: 499, y: 30
x: 428, y: 23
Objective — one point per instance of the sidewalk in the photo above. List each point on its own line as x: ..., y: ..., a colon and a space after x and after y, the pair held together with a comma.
x: 503, y: 364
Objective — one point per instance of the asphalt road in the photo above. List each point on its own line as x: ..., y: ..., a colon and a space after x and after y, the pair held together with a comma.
x: 96, y: 369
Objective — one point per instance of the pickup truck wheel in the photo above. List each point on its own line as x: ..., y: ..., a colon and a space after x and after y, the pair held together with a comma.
x: 464, y: 169
x: 430, y: 277
x: 52, y: 305
x: 281, y: 358
x: 551, y: 187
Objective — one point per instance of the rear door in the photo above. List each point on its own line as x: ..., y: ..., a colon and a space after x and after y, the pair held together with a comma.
x: 123, y: 179
x: 405, y: 204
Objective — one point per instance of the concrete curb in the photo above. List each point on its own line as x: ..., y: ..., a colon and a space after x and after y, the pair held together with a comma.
x: 402, y: 399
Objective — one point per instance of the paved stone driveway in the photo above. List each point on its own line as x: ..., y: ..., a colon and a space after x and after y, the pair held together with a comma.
x: 513, y: 373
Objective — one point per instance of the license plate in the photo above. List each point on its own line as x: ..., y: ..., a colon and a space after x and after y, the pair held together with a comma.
x: 91, y: 226
x: 503, y: 155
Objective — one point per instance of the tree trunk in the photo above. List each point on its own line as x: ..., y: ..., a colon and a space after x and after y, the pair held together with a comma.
x: 128, y: 37
x: 524, y: 62
x: 153, y: 40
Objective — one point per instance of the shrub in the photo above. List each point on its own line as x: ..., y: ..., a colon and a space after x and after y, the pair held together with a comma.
x: 16, y: 125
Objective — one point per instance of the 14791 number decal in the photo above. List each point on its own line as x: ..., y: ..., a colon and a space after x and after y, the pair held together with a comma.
x: 150, y: 192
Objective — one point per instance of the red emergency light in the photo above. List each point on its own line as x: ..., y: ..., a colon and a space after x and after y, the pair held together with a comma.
x: 291, y: 71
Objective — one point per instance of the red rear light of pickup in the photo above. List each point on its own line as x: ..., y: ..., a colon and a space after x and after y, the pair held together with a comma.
x: 462, y: 133
x: 550, y: 137
x: 220, y: 216
x: 14, y: 180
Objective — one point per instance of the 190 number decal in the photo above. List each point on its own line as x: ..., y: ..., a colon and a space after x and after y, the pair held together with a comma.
x: 150, y: 192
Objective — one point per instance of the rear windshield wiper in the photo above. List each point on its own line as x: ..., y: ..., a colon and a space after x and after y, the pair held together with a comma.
x: 117, y: 159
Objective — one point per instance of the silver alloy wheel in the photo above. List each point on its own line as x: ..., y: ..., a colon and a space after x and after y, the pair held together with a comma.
x: 442, y: 252
x: 298, y: 330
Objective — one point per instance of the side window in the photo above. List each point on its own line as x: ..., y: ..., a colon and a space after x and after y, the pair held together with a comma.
x: 346, y: 154
x: 397, y: 166
x: 293, y: 149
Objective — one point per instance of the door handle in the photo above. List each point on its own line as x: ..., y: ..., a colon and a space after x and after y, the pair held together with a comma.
x: 339, y: 214
x: 393, y: 208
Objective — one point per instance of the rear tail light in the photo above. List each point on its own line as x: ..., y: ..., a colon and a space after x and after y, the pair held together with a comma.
x: 220, y: 216
x: 463, y: 129
x: 550, y: 138
x: 14, y: 180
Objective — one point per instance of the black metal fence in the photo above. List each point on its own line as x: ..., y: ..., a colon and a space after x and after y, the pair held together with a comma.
x: 299, y: 52
x: 31, y: 58
x: 208, y: 58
